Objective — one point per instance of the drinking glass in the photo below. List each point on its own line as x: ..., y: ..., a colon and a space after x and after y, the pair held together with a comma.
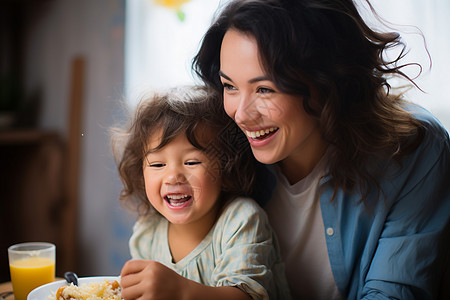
x: 31, y: 265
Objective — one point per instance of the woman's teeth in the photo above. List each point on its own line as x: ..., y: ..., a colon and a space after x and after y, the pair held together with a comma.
x: 260, y: 133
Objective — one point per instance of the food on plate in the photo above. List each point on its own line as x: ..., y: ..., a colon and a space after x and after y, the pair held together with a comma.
x: 106, y: 290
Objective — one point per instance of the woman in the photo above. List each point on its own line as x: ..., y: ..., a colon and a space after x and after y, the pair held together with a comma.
x: 361, y: 202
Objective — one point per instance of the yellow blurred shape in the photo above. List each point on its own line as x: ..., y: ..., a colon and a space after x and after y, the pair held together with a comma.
x: 174, y: 4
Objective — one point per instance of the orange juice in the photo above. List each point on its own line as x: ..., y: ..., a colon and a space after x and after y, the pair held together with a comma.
x: 29, y: 273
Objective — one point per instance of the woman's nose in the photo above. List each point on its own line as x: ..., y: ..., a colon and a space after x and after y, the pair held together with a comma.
x: 247, y: 110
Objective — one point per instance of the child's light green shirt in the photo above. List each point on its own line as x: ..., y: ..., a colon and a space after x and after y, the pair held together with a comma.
x: 240, y: 250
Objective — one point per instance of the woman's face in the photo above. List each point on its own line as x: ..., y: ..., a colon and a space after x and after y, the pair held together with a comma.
x: 276, y: 125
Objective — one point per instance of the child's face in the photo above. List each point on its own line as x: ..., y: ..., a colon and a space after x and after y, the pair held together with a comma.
x: 181, y: 182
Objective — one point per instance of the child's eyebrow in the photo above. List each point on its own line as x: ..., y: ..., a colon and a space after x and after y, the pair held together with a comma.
x: 150, y: 151
x: 193, y: 149
x: 157, y: 150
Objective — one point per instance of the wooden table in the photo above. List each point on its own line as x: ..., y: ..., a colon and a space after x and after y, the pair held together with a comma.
x: 6, y: 287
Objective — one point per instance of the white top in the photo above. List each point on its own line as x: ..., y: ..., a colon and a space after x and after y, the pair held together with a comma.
x: 240, y: 250
x: 294, y: 213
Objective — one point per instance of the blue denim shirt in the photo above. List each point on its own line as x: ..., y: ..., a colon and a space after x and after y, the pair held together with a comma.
x: 395, y: 249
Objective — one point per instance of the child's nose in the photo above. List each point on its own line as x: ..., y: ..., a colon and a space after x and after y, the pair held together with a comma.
x: 174, y: 176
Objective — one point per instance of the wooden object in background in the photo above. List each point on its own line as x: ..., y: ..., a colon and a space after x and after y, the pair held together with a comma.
x: 32, y: 196
x: 40, y: 185
x: 73, y: 161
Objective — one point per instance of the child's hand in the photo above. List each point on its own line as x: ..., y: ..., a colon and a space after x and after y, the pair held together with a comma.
x: 148, y: 279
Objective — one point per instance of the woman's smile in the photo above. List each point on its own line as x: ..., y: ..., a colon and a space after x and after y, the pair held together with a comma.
x: 275, y: 123
x: 262, y: 137
x: 261, y: 134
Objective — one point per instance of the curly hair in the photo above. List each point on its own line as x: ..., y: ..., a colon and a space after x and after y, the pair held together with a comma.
x: 192, y: 111
x: 324, y: 51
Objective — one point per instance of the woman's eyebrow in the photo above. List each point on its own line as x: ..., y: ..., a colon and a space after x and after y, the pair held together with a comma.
x: 253, y: 80
x: 222, y: 74
x: 259, y: 78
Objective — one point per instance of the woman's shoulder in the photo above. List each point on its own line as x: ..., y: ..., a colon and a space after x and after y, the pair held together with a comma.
x: 433, y: 127
x: 428, y: 161
x: 435, y: 143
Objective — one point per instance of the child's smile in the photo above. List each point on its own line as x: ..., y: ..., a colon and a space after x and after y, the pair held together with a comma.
x: 176, y: 201
x: 180, y: 182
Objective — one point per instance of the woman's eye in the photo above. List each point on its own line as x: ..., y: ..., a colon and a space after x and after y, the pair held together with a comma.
x: 192, y: 163
x: 264, y: 90
x: 228, y: 87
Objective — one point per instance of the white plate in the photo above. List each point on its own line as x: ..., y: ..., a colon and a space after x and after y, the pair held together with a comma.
x: 42, y: 292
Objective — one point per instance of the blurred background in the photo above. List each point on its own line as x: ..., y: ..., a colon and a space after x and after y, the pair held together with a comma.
x: 70, y: 69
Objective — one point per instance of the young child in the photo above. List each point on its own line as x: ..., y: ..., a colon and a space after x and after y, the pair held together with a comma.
x: 186, y: 168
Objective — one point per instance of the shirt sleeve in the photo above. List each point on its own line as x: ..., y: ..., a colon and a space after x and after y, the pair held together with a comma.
x: 250, y: 256
x: 407, y: 262
x: 143, y: 237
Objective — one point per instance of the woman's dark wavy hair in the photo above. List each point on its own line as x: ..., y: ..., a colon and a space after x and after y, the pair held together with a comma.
x: 324, y: 51
x: 189, y: 110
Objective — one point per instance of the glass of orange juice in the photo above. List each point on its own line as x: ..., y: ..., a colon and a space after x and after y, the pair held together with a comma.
x: 31, y: 265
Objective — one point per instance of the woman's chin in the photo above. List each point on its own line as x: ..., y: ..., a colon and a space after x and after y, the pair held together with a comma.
x: 265, y: 157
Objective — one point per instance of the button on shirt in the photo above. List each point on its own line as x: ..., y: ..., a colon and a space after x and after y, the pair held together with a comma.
x: 393, y: 249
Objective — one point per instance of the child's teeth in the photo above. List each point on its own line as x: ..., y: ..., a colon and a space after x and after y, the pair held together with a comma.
x: 176, y: 197
x: 177, y: 200
x: 177, y: 203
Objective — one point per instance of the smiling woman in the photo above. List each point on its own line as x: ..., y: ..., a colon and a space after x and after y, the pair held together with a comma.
x: 358, y: 169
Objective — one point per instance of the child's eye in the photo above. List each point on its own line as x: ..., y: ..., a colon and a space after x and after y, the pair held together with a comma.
x: 156, y: 165
x: 192, y: 163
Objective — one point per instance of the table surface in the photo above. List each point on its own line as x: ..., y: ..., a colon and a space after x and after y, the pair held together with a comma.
x: 6, y: 287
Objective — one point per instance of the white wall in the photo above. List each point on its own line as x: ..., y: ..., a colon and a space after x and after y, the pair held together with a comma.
x: 159, y: 47
x: 410, y: 18
x: 62, y: 30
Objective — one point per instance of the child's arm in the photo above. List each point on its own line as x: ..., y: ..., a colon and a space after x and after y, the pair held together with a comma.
x: 147, y: 279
